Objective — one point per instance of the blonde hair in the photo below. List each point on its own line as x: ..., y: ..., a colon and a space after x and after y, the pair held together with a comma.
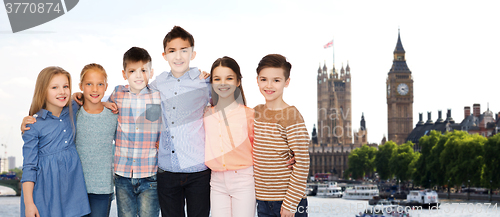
x: 42, y: 84
x: 96, y: 67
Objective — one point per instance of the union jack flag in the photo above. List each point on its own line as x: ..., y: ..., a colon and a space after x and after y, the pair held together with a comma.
x: 329, y: 44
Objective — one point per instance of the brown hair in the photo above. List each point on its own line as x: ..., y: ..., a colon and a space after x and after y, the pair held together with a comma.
x: 233, y: 65
x: 275, y: 61
x: 95, y: 67
x: 42, y: 84
x: 136, y: 54
x: 178, y: 32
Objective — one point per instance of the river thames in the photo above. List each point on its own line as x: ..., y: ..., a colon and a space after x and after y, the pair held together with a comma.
x: 326, y: 207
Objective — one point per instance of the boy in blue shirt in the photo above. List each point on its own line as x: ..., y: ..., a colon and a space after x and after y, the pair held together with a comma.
x: 182, y: 174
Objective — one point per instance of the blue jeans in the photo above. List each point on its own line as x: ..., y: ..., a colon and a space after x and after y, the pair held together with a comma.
x: 137, y: 196
x: 175, y: 188
x: 273, y: 208
x: 100, y: 204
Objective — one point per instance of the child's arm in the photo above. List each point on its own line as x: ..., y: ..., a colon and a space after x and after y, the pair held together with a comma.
x: 30, y: 168
x: 30, y: 207
x: 112, y: 97
x: 297, y: 137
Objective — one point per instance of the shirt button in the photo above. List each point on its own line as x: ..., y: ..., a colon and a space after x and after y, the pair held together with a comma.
x: 173, y: 107
x: 172, y: 137
x: 137, y: 128
x: 64, y: 130
x: 173, y: 152
x: 60, y: 120
x: 134, y: 160
x: 65, y: 141
x: 175, y: 93
x: 178, y: 80
x: 136, y: 144
x: 172, y: 122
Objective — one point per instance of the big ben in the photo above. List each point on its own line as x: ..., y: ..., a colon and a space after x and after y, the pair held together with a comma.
x: 399, y: 97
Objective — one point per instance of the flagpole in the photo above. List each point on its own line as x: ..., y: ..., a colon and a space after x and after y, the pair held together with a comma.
x: 333, y: 53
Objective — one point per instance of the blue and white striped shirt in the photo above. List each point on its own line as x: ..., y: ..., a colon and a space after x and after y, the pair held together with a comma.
x: 183, y: 101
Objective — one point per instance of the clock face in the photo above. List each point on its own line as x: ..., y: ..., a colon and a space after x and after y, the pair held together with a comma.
x: 388, y: 90
x: 348, y: 79
x: 403, y: 89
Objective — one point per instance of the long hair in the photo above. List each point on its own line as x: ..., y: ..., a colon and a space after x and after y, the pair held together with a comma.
x: 42, y: 84
x: 233, y: 65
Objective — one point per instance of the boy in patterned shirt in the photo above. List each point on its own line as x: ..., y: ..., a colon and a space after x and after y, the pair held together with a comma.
x: 138, y: 131
x: 279, y: 129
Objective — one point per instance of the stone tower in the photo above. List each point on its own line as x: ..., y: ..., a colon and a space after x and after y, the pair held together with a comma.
x: 399, y: 97
x: 334, y: 106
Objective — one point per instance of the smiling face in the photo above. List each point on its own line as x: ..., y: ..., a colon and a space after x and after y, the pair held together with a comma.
x: 224, y: 82
x: 58, y: 93
x: 178, y: 53
x: 271, y: 84
x: 137, y: 74
x: 93, y: 86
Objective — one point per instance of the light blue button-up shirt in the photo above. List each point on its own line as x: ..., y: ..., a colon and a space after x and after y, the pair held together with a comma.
x: 183, y: 101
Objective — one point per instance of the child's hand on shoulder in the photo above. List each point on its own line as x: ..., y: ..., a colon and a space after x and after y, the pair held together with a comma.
x: 111, y: 106
x: 78, y: 97
x: 27, y: 120
x: 204, y: 75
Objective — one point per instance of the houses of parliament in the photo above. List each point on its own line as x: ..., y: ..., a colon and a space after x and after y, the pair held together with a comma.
x: 333, y: 137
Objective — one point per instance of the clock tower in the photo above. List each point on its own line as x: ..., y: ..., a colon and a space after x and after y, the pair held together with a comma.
x: 399, y: 97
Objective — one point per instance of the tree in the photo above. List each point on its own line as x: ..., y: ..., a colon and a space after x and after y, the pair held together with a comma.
x: 401, y: 159
x: 412, y: 167
x: 382, y: 157
x: 434, y: 167
x: 361, y: 161
x: 462, y: 158
x: 491, y: 172
x: 422, y: 173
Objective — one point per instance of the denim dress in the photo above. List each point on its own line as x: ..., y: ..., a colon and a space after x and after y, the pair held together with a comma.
x: 52, y: 163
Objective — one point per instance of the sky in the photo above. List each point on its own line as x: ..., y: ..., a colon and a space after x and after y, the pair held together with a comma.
x: 451, y: 48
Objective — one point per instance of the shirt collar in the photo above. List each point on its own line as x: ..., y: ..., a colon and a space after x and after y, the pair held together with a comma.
x: 43, y: 113
x: 143, y: 91
x: 193, y: 73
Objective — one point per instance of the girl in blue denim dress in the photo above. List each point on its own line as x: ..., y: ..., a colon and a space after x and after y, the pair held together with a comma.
x: 53, y: 182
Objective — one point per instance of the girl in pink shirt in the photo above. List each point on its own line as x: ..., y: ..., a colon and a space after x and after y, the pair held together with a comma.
x: 229, y: 142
